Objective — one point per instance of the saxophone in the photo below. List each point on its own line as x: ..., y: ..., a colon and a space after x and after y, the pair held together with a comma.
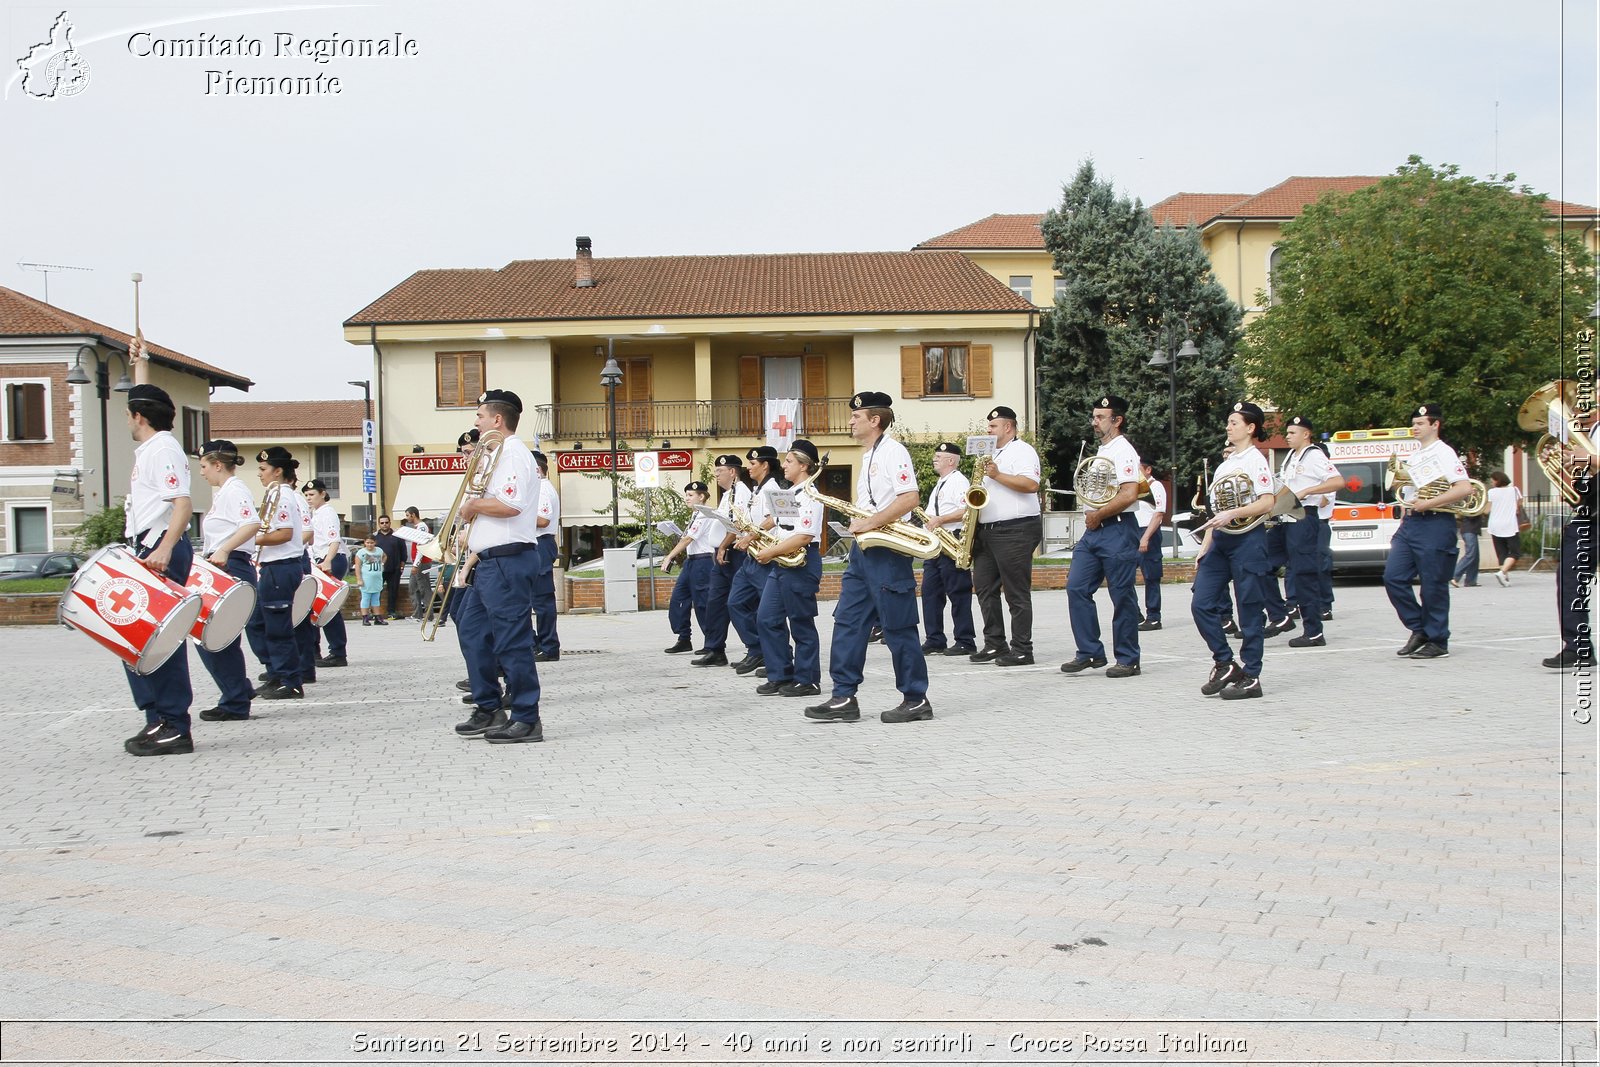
x: 771, y: 538
x: 903, y: 537
x: 960, y: 548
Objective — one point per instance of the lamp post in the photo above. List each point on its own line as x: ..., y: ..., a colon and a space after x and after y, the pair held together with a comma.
x: 79, y: 376
x: 610, y: 378
x: 366, y: 395
x: 1159, y: 358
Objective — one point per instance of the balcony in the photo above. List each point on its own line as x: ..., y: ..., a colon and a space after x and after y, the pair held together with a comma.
x: 687, y: 418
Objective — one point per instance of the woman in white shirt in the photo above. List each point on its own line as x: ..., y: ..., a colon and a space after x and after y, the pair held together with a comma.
x: 327, y: 554
x: 1504, y: 498
x: 226, y: 529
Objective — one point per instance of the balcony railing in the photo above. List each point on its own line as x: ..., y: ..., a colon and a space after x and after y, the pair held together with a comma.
x: 688, y: 418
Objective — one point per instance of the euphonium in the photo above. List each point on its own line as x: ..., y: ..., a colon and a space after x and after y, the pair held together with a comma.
x: 448, y: 543
x: 900, y: 536
x: 1557, y: 401
x: 1398, y: 478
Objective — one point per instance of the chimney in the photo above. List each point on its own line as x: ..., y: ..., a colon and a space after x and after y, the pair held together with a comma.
x: 584, y: 264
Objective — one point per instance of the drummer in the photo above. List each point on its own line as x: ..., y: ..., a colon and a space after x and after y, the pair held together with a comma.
x: 231, y: 524
x: 278, y: 558
x: 327, y: 554
x: 157, y: 527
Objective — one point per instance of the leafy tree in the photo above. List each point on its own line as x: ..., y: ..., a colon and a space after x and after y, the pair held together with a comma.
x: 1428, y: 286
x: 1131, y: 288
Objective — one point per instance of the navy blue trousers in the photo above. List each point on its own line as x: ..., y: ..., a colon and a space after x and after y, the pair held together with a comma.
x: 338, y: 640
x: 942, y: 582
x: 1272, y: 598
x: 1242, y: 560
x: 789, y: 608
x: 164, y: 695
x: 496, y: 633
x: 744, y: 599
x: 1305, y: 570
x: 690, y: 592
x: 305, y: 634
x: 721, y: 583
x: 1150, y: 567
x: 1325, y: 562
x: 1424, y: 548
x: 227, y: 666
x: 545, y: 638
x: 878, y: 589
x: 1110, y: 555
x: 271, y: 634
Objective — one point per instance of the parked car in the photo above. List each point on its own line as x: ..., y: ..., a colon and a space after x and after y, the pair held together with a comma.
x: 20, y: 565
x: 645, y: 555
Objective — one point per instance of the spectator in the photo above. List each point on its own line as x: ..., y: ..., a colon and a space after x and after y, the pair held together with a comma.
x: 394, y: 558
x: 1505, y: 500
x: 1470, y: 527
x: 421, y: 566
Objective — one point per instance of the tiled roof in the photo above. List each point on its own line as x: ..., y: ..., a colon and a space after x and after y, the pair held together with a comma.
x: 255, y: 420
x: 840, y: 283
x: 996, y: 231
x: 1289, y: 198
x: 1193, y: 209
x: 23, y: 316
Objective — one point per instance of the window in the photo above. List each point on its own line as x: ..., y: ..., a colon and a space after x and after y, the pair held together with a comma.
x: 196, y: 429
x: 1273, y: 259
x: 944, y: 370
x: 458, y: 379
x: 327, y: 468
x: 1022, y: 285
x: 939, y: 368
x: 1061, y: 288
x: 27, y: 411
x: 784, y: 377
x: 30, y: 529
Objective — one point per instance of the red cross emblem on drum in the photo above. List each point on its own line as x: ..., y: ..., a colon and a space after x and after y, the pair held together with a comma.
x: 201, y: 578
x: 121, y: 600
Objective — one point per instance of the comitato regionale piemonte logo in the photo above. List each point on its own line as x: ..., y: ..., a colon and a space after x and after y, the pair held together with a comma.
x: 53, y: 68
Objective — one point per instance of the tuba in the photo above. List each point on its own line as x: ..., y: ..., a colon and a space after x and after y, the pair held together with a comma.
x: 448, y: 543
x: 1398, y: 478
x: 1557, y: 403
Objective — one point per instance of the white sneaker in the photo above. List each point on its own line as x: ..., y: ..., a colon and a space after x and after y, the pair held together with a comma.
x: 1500, y: 576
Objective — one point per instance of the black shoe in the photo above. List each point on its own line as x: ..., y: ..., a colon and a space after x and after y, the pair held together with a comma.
x: 266, y: 676
x: 1230, y: 627
x: 1431, y: 650
x: 801, y: 689
x: 770, y: 689
x: 266, y: 687
x: 1150, y: 624
x: 1414, y: 642
x: 1273, y: 629
x: 140, y: 736
x: 683, y: 645
x: 876, y: 635
x: 1327, y: 616
x: 219, y: 715
x: 761, y: 672
x: 516, y: 733
x: 1082, y: 663
x: 283, y: 692
x: 308, y: 679
x: 750, y: 663
x: 961, y: 650
x: 366, y: 620
x: 481, y: 722
x: 1294, y: 613
x: 701, y: 651
x: 1014, y: 659
x: 1307, y: 642
x: 1122, y: 670
x: 988, y: 654
x: 333, y: 661
x: 165, y: 741
x: 841, y: 709
x: 546, y: 657
x: 1244, y: 688
x: 1222, y: 676
x: 930, y: 646
x: 909, y: 711
x: 1567, y: 659
x: 380, y: 621
x: 465, y: 685
x: 718, y: 658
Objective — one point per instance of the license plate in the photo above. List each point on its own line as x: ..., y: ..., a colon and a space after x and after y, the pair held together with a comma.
x: 1355, y: 535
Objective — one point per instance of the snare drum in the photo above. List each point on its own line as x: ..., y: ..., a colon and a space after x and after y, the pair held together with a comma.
x: 140, y: 615
x: 330, y: 596
x: 225, y: 605
x: 305, y: 594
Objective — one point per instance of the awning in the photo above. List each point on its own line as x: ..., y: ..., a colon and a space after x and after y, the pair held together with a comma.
x: 431, y: 494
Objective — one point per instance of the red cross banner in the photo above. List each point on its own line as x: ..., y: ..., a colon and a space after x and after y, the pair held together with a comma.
x: 781, y: 423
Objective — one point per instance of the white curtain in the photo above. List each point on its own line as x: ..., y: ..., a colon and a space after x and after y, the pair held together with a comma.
x: 785, y: 379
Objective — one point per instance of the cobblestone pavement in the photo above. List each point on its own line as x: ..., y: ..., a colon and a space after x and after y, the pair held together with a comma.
x: 1375, y: 863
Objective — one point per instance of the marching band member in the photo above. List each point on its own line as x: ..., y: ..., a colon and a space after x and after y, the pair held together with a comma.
x: 1150, y: 515
x: 306, y: 637
x: 941, y: 579
x: 229, y: 525
x: 1108, y: 551
x: 744, y: 596
x: 495, y: 626
x: 1424, y: 545
x: 1575, y: 582
x: 878, y: 587
x: 157, y: 525
x: 1009, y: 529
x: 1310, y: 475
x: 546, y: 642
x: 734, y: 488
x: 327, y: 555
x: 789, y: 598
x: 697, y: 545
x: 280, y: 568
x: 1237, y: 557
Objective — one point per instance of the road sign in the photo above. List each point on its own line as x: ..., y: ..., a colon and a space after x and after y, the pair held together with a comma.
x: 646, y: 470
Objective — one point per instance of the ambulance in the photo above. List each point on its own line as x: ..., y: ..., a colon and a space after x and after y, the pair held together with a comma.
x: 1364, y: 512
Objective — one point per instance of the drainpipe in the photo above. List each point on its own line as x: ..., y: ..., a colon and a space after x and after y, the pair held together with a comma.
x: 1238, y: 262
x: 1030, y: 367
x: 377, y: 385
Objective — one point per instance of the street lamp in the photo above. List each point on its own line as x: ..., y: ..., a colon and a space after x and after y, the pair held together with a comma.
x: 79, y: 376
x: 610, y: 378
x: 366, y: 395
x: 1159, y: 358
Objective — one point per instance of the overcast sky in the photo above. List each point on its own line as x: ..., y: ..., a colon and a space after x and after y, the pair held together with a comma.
x: 667, y: 127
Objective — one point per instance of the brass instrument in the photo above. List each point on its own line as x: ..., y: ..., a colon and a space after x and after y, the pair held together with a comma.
x: 764, y: 539
x: 1236, y: 491
x: 959, y: 549
x: 900, y: 536
x: 1558, y: 399
x: 1200, y: 506
x: 448, y: 543
x: 1398, y: 478
x: 1095, y: 482
x: 269, y: 504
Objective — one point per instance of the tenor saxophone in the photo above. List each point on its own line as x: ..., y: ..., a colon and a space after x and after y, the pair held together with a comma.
x: 900, y: 536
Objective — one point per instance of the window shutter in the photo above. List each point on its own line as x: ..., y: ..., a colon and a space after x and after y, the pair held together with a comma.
x: 471, y: 380
x: 449, y: 387
x: 33, y: 397
x: 980, y: 376
x: 636, y: 388
x: 751, y: 413
x: 911, y: 371
x: 815, y: 417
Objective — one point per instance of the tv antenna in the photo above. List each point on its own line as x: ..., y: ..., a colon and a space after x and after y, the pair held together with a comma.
x: 46, y: 269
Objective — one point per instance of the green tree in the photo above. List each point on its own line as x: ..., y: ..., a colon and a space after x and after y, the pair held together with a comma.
x: 101, y: 528
x: 1131, y: 288
x: 1428, y: 286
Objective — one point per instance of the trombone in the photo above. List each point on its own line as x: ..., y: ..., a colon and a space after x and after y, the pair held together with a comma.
x: 451, y: 539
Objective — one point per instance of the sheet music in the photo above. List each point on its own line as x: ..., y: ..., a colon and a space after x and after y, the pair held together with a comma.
x: 981, y: 444
x: 780, y: 503
x: 412, y: 535
x: 670, y: 528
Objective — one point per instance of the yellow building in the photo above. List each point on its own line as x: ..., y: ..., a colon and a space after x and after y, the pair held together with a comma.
x: 703, y: 342
x: 324, y: 435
